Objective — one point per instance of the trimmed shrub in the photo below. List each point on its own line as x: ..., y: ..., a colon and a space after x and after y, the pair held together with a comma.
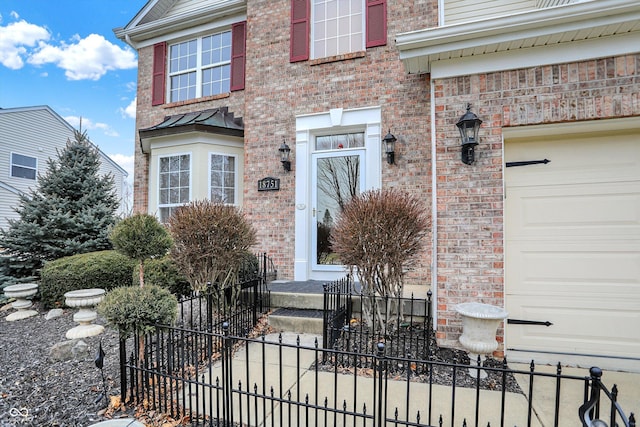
x: 163, y: 272
x: 210, y: 242
x: 141, y: 237
x: 378, y: 234
x: 103, y: 269
x: 132, y: 309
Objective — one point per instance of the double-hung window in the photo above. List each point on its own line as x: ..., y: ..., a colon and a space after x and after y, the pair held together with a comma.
x: 174, y: 184
x: 23, y: 166
x: 338, y: 27
x: 223, y: 177
x: 329, y: 28
x: 200, y: 67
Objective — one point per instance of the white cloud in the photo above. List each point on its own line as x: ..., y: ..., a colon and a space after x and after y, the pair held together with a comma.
x: 15, y: 38
x: 130, y: 110
x: 86, y: 58
x: 125, y: 162
x: 88, y: 124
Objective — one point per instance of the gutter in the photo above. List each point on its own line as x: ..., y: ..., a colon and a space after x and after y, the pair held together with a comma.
x: 434, y: 207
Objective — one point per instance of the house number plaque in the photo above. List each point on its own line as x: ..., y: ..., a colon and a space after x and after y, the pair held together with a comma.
x: 269, y: 184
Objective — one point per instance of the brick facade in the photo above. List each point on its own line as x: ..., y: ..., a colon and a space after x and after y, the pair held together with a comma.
x: 469, y: 199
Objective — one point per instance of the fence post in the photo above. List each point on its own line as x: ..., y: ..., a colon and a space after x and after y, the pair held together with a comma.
x: 590, y: 410
x: 378, y: 388
x: 226, y: 375
x: 123, y: 370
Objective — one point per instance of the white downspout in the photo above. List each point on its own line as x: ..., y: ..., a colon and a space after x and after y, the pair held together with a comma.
x: 434, y: 207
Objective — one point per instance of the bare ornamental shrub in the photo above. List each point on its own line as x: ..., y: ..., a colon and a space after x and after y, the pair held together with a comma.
x: 379, y: 234
x: 211, y: 241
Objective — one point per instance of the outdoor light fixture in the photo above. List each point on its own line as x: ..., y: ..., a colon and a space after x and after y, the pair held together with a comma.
x: 468, y: 126
x: 390, y: 147
x: 284, y: 155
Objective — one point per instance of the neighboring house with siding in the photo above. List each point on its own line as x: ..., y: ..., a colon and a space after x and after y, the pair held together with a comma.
x: 223, y: 83
x: 30, y: 136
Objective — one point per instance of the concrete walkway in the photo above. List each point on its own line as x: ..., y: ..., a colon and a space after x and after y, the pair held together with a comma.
x: 355, y: 393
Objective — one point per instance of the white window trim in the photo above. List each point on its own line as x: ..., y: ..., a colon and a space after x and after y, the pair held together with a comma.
x: 312, y: 35
x: 198, y: 68
x: 11, y: 165
x: 235, y: 175
x: 171, y: 205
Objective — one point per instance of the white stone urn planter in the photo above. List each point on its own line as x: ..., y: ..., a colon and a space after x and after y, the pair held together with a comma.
x: 479, y: 325
x: 21, y: 292
x: 85, y: 300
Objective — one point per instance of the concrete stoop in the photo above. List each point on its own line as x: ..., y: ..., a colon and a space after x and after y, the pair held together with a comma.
x: 296, y: 312
x: 299, y: 321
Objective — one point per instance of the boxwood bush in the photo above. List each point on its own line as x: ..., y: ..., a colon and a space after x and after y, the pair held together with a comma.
x: 163, y: 272
x: 103, y: 269
x: 133, y: 309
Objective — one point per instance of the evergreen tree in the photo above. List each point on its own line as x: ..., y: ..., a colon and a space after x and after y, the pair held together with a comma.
x: 71, y: 211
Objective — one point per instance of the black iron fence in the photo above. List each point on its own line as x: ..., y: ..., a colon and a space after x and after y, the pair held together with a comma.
x: 207, y: 370
x: 337, y: 309
x: 272, y: 381
x: 189, y: 344
x: 405, y: 325
x: 266, y: 269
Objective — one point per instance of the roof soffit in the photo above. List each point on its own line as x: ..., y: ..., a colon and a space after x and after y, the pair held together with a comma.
x: 152, y: 21
x: 544, y: 27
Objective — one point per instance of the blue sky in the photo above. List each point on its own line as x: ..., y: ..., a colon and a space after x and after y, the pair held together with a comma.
x: 63, y: 53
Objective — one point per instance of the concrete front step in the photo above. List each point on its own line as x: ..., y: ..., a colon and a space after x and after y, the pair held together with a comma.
x: 305, y: 301
x: 296, y: 320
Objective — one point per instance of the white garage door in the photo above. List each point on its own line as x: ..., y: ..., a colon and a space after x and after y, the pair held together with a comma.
x: 572, y: 234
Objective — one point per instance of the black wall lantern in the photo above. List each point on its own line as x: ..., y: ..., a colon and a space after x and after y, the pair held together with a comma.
x: 390, y: 147
x: 468, y: 126
x: 284, y: 155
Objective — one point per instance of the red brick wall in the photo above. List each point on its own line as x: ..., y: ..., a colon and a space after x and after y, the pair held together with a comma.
x: 469, y: 198
x: 277, y: 91
x: 147, y: 116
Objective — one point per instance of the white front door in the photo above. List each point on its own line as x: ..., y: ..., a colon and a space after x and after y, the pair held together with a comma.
x: 337, y: 176
x: 331, y: 145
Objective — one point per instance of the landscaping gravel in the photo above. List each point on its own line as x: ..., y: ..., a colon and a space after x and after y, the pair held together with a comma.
x: 38, y: 390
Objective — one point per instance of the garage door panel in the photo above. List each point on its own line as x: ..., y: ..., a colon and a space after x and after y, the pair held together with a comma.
x: 582, y: 160
x: 579, y: 325
x: 574, y: 211
x: 611, y: 273
x: 572, y: 245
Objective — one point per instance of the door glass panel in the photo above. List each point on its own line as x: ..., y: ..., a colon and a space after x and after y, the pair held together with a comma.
x: 338, y: 179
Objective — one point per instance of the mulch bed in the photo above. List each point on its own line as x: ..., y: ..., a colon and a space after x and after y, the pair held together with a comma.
x: 440, y: 372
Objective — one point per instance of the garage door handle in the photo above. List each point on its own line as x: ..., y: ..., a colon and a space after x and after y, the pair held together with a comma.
x: 527, y: 163
x: 528, y: 322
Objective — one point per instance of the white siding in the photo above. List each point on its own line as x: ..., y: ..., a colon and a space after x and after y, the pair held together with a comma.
x: 182, y: 6
x: 19, y: 136
x: 458, y: 11
x: 37, y: 132
x: 9, y: 199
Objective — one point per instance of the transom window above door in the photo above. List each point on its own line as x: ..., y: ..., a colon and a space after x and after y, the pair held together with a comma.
x: 340, y: 141
x: 200, y: 67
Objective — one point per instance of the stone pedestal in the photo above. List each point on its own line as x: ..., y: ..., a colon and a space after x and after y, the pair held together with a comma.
x: 85, y: 300
x: 21, y: 292
x: 479, y: 325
